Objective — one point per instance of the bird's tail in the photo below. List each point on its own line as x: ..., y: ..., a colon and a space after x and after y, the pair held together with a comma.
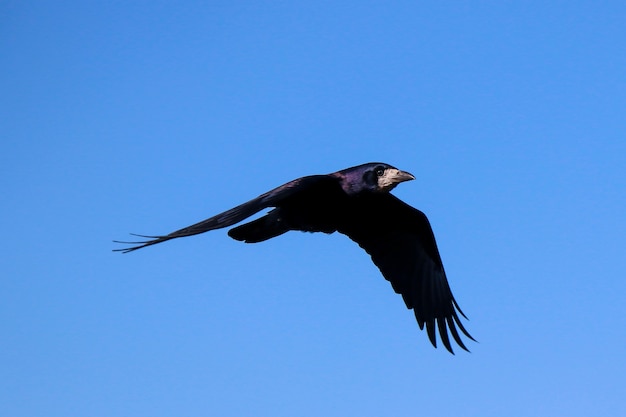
x: 261, y: 229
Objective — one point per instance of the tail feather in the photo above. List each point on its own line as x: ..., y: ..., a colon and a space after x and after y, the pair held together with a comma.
x: 258, y: 230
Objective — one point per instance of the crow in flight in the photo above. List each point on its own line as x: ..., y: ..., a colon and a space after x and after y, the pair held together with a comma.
x: 356, y: 202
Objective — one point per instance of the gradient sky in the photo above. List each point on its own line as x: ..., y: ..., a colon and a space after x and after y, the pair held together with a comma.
x: 145, y: 117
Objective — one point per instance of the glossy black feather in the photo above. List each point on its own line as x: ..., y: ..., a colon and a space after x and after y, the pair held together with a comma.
x: 356, y: 202
x: 401, y: 242
x: 235, y: 215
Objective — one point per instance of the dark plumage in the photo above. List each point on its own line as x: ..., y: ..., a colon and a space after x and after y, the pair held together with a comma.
x: 356, y: 202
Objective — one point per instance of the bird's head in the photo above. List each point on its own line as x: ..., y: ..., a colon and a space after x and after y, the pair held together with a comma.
x: 373, y: 177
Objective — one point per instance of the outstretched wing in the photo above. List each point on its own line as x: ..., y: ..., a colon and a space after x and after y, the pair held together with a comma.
x: 271, y: 198
x: 401, y: 243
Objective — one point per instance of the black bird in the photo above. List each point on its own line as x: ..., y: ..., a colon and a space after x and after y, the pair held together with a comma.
x: 356, y: 202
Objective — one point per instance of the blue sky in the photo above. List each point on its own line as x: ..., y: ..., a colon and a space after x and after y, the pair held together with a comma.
x: 146, y: 117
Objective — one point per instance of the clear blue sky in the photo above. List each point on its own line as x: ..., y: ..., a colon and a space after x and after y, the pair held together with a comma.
x: 145, y: 117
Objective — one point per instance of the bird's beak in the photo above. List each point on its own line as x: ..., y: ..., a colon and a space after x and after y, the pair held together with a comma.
x: 392, y: 178
x: 398, y: 176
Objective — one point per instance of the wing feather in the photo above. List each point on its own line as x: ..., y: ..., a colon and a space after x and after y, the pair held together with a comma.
x: 271, y: 198
x: 402, y: 245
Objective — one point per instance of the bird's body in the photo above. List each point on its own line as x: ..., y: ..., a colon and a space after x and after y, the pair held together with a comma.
x: 355, y: 202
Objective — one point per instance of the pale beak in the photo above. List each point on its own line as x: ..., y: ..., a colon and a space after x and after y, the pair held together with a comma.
x: 398, y: 176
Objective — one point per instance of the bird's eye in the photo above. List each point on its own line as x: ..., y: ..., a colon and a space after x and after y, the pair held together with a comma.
x: 380, y: 172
